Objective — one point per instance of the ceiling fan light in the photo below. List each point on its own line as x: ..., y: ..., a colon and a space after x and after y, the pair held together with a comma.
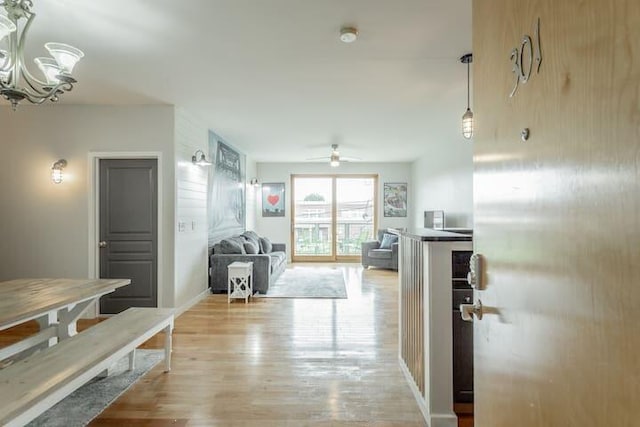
x: 6, y: 27
x: 49, y: 68
x: 65, y: 55
x: 334, y: 160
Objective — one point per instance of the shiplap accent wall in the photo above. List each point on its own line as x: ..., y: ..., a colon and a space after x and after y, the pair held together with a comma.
x: 191, y: 273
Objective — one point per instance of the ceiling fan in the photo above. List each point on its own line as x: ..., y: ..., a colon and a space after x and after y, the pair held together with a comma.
x: 335, y: 158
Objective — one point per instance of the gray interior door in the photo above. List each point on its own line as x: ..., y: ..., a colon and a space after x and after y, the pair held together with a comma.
x: 128, y: 232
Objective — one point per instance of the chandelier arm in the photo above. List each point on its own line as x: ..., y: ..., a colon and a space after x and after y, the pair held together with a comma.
x: 52, y: 94
x: 13, y: 54
x: 33, y: 82
x: 6, y: 64
x: 24, y: 71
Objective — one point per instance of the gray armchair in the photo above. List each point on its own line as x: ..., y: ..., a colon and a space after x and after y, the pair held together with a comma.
x: 375, y: 256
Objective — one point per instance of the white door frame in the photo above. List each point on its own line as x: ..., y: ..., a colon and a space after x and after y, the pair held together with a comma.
x: 94, y: 214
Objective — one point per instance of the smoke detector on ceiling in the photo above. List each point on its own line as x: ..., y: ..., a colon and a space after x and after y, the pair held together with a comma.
x: 348, y: 34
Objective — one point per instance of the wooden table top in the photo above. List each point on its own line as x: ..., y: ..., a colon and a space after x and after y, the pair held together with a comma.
x: 24, y: 299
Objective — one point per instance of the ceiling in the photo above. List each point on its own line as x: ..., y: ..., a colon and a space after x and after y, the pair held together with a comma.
x: 272, y: 76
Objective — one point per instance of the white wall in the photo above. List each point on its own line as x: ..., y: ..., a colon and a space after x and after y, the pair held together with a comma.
x: 191, y: 278
x: 278, y: 229
x: 443, y: 180
x: 44, y: 228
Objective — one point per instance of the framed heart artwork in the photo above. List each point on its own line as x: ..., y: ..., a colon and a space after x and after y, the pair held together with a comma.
x: 273, y: 199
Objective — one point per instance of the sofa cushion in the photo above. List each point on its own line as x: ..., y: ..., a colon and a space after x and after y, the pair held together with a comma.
x: 265, y: 245
x: 380, y: 253
x: 277, y: 258
x: 251, y: 248
x: 231, y: 246
x: 388, y: 240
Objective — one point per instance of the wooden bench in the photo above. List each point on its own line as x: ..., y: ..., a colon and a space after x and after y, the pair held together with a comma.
x: 34, y: 384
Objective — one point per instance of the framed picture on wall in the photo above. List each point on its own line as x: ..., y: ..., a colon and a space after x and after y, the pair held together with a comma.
x: 395, y: 199
x: 226, y: 199
x: 273, y: 199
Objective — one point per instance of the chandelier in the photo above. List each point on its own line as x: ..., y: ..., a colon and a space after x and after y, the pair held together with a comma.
x: 16, y: 81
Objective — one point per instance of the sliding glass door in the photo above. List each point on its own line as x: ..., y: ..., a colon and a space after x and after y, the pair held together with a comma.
x: 354, y: 214
x: 312, y: 218
x: 332, y: 216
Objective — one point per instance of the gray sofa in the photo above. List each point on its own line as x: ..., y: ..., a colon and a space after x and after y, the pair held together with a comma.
x: 267, y: 264
x: 375, y: 256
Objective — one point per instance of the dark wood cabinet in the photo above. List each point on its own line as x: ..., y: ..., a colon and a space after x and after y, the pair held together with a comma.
x: 462, y: 331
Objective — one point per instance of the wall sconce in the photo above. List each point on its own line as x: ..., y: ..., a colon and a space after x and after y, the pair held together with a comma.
x: 254, y: 182
x: 200, y: 159
x: 56, y: 171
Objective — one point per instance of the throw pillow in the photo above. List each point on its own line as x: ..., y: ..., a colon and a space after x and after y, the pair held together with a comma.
x: 388, y: 240
x: 240, y: 241
x: 265, y: 246
x: 230, y: 246
x: 251, y: 235
x: 251, y: 248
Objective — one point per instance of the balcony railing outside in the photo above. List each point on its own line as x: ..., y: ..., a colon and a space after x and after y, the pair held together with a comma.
x: 313, y: 237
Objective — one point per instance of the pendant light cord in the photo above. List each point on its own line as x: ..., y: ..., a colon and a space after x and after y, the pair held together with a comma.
x: 468, y: 85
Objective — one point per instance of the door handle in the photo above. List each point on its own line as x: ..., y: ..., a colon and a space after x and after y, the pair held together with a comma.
x: 102, y: 244
x: 468, y: 310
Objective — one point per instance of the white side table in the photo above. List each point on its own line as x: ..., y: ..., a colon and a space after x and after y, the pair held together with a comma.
x: 240, y: 282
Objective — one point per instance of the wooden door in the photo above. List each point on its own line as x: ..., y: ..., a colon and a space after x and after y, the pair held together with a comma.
x: 558, y: 217
x: 128, y: 231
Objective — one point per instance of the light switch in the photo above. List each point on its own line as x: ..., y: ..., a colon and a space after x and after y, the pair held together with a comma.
x: 181, y: 226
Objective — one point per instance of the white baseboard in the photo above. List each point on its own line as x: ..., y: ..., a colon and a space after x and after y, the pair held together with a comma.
x: 193, y: 301
x: 432, y: 420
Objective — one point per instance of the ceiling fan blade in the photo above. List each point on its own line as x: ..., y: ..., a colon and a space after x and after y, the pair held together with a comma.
x: 317, y: 158
x: 349, y: 159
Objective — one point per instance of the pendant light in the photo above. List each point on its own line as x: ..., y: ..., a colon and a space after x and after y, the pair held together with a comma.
x: 467, y: 118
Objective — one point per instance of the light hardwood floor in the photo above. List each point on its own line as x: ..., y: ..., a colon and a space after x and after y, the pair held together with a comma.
x: 280, y: 362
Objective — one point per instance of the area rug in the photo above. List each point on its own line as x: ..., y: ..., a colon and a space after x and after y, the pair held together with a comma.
x: 308, y: 282
x: 86, y: 403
